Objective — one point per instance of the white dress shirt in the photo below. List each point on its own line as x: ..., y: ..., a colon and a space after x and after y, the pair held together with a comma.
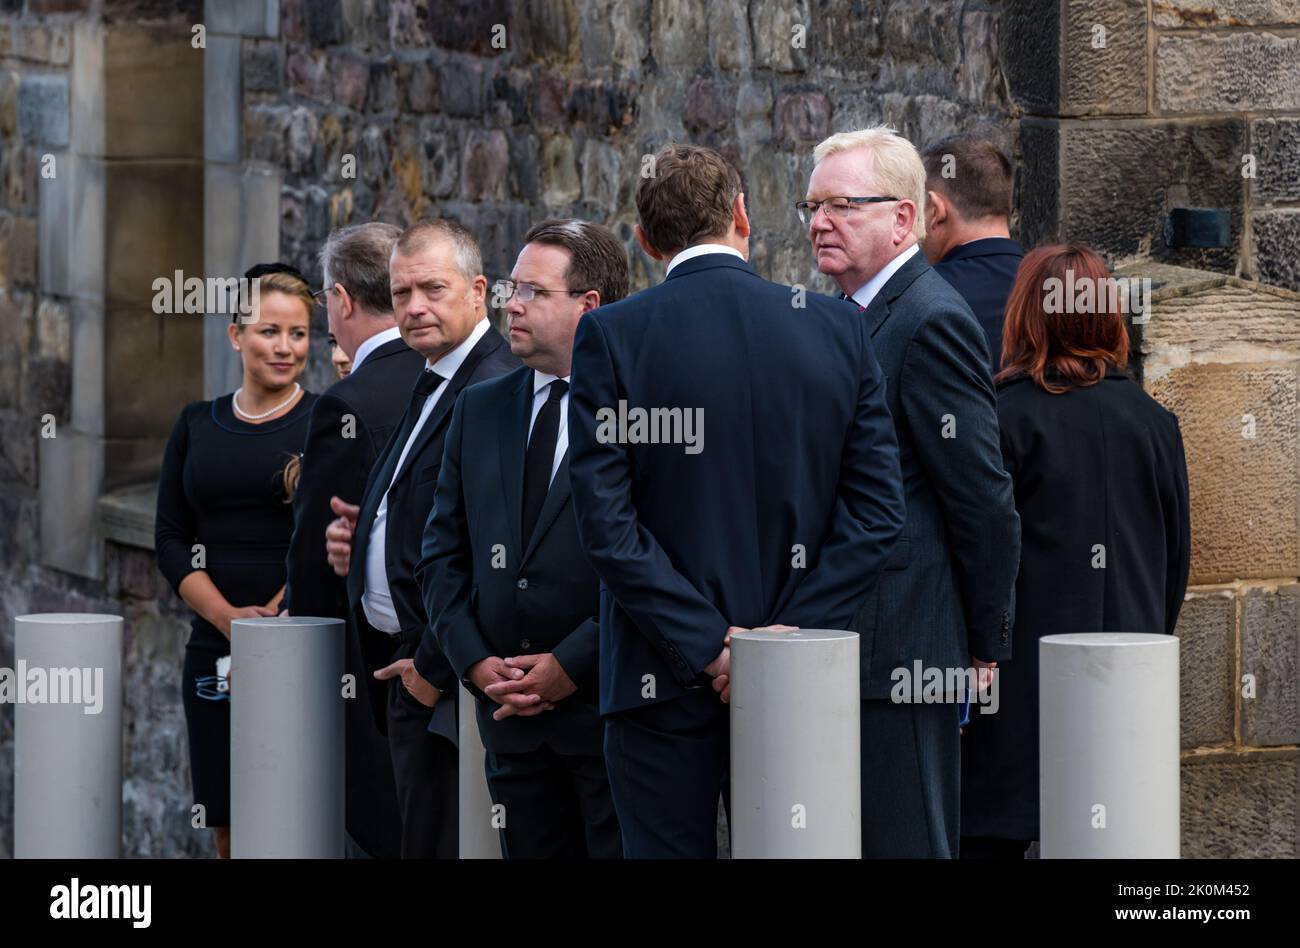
x: 700, y: 250
x: 376, y: 601
x: 541, y: 393
x: 867, y: 293
x: 374, y: 342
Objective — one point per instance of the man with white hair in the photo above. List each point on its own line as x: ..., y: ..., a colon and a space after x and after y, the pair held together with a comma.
x: 945, y: 597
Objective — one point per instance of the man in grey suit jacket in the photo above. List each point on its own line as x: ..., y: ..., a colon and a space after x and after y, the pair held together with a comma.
x: 944, y: 601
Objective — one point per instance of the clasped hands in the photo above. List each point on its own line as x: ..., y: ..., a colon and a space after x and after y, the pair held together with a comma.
x: 524, y: 685
x: 720, y: 668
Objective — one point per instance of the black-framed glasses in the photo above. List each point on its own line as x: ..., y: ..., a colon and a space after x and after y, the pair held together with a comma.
x: 505, y: 290
x: 320, y: 295
x: 837, y: 207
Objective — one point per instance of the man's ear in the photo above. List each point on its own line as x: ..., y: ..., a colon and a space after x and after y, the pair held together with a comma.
x: 935, y: 206
x: 346, y: 303
x: 478, y: 290
x: 646, y: 245
x: 904, y: 218
x: 740, y: 219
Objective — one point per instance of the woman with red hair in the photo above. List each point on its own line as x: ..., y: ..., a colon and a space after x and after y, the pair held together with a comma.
x: 1101, y: 489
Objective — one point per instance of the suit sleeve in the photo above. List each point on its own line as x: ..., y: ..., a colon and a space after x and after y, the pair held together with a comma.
x: 946, y: 394
x: 333, y: 463
x: 445, y: 573
x: 868, y: 518
x: 1178, y: 534
x: 679, y: 622
x: 579, y: 655
x: 174, y: 535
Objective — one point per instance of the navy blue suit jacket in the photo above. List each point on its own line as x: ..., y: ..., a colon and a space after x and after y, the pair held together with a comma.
x: 787, y: 511
x: 983, y: 271
x: 486, y: 594
x: 948, y: 592
x: 410, y: 498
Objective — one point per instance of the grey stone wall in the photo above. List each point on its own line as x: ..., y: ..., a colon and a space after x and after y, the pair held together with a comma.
x: 439, y: 121
x: 1176, y: 103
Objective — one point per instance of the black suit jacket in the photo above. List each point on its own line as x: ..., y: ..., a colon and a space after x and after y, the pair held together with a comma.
x: 983, y: 272
x: 788, y: 511
x: 486, y: 594
x: 948, y: 591
x: 410, y: 498
x: 350, y: 424
x: 1099, y: 466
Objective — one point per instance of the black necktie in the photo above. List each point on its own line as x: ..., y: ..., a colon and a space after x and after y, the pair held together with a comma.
x: 541, y: 457
x: 425, y: 385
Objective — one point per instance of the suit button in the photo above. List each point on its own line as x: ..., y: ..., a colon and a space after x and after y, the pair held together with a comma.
x: 522, y: 584
x: 525, y: 644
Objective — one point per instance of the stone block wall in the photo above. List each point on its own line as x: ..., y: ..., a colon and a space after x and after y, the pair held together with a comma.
x: 503, y: 112
x: 1224, y: 356
x: 1156, y: 105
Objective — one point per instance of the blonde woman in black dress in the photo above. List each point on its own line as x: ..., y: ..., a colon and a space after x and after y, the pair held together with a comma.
x: 223, y: 527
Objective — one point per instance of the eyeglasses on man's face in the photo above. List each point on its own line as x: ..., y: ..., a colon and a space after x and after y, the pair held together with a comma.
x: 836, y: 207
x: 505, y: 290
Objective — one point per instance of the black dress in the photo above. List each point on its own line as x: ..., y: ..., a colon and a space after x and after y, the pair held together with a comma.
x: 1099, y: 466
x: 221, y: 487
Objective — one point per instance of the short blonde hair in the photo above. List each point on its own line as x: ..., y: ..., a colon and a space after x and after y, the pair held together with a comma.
x: 895, y: 161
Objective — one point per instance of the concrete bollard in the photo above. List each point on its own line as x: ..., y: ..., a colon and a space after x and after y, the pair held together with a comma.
x: 67, y: 689
x: 795, y: 756
x: 479, y: 839
x: 1108, y: 746
x: 286, y: 738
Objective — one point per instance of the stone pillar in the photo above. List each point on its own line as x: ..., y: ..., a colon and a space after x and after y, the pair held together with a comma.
x: 1108, y: 746
x: 286, y: 738
x: 68, y: 740
x: 121, y: 205
x: 795, y: 752
x: 478, y: 838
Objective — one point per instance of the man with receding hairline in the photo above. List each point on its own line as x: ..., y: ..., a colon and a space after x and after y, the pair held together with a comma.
x: 507, y: 586
x: 350, y: 424
x: 439, y: 299
x: 945, y: 601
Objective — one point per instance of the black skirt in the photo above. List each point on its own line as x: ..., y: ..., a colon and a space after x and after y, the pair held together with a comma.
x: 208, y: 724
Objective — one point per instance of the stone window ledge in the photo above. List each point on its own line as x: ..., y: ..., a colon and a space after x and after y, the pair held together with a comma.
x: 126, y: 516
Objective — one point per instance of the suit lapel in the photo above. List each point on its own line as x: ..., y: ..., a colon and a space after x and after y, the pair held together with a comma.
x: 442, y: 409
x: 878, y: 310
x: 514, y: 436
x: 556, y: 496
x: 380, y: 476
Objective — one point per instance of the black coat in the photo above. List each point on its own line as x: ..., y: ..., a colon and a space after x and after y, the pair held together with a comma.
x: 350, y: 423
x: 947, y: 592
x: 410, y: 499
x: 486, y: 595
x: 789, y: 508
x: 983, y: 272
x: 1099, y: 466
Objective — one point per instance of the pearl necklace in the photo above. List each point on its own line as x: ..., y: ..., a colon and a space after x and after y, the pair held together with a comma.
x: 234, y: 401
